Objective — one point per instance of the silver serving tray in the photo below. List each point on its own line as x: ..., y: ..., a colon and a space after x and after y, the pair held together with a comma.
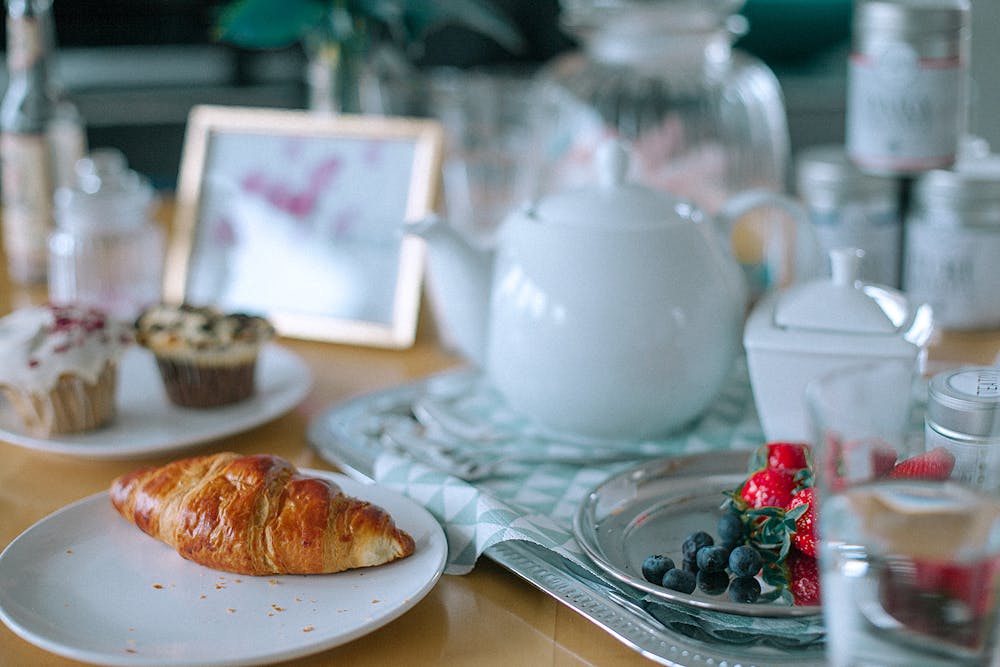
x: 650, y: 509
x: 334, y: 435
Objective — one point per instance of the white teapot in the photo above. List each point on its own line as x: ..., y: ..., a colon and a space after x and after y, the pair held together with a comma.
x: 614, y: 312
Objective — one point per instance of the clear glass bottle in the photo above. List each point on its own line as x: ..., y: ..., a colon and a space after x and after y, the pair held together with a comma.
x: 67, y: 132
x: 108, y: 250
x: 704, y: 120
x: 25, y: 113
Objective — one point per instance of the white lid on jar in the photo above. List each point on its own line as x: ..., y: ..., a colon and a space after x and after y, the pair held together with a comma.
x: 827, y: 178
x: 974, y: 182
x: 104, y: 194
x: 966, y: 401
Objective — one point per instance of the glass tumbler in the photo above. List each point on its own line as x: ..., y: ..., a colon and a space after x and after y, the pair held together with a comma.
x: 909, y: 554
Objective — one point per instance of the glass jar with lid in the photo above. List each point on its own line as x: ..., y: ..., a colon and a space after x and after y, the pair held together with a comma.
x: 107, y: 250
x: 704, y: 120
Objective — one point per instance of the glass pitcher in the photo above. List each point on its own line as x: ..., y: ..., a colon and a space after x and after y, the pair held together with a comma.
x: 704, y: 120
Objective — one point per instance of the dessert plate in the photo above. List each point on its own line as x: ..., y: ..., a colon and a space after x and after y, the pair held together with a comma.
x: 651, y: 508
x: 148, y: 423
x: 86, y: 584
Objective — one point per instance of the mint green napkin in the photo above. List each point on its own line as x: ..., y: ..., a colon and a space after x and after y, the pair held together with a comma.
x: 537, y: 501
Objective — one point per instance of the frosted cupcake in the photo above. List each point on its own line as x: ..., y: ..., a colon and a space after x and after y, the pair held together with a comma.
x: 59, y: 367
x: 206, y: 358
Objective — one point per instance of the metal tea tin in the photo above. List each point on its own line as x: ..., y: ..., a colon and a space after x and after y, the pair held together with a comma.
x: 906, y: 94
x: 953, y: 244
x: 850, y: 208
x: 963, y: 415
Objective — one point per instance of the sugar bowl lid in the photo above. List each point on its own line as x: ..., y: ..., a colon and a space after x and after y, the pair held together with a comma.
x: 842, y: 303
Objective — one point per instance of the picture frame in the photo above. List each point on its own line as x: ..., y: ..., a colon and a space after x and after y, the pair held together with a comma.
x: 301, y: 217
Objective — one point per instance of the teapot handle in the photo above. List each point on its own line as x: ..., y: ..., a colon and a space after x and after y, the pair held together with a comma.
x: 787, y: 253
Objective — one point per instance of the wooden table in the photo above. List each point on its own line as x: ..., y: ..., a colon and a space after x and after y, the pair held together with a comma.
x: 489, y: 617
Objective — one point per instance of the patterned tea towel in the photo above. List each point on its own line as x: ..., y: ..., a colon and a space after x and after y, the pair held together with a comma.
x: 537, y: 501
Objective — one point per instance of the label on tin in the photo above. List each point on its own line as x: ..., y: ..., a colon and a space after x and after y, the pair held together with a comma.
x: 904, y: 114
x: 975, y: 461
x: 955, y: 271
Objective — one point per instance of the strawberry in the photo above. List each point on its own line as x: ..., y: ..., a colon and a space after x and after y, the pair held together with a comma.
x: 951, y: 601
x: 768, y: 488
x: 972, y: 584
x: 803, y: 579
x: 883, y: 459
x: 804, y: 537
x: 788, y: 456
x: 936, y: 464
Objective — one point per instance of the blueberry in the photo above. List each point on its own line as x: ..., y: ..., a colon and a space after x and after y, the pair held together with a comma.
x: 744, y: 589
x: 713, y: 583
x: 744, y: 561
x: 679, y: 580
x: 695, y: 541
x: 654, y: 567
x: 690, y: 565
x: 731, y: 529
x: 712, y: 559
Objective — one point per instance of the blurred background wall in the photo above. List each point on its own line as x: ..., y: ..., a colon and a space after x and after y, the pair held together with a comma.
x: 135, y: 67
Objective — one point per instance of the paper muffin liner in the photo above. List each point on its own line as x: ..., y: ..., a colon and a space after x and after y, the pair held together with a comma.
x: 193, y: 385
x: 71, y: 406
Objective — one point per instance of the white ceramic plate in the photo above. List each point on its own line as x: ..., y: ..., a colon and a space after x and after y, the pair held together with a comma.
x: 86, y: 584
x: 147, y: 423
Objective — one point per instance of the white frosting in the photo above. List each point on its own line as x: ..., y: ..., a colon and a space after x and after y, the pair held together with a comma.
x: 40, y: 343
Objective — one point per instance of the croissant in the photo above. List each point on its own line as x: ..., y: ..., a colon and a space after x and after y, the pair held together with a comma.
x: 257, y: 515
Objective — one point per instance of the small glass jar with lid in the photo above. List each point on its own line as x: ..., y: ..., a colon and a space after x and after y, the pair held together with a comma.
x: 963, y: 416
x: 703, y: 120
x: 107, y: 250
x: 953, y: 242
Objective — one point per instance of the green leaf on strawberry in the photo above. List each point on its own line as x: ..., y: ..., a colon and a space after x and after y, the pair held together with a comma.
x: 776, y: 503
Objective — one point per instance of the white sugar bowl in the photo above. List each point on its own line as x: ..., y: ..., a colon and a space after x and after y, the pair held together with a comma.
x: 804, y: 332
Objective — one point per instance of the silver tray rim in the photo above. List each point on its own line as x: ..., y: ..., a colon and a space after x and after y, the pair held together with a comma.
x: 595, y: 601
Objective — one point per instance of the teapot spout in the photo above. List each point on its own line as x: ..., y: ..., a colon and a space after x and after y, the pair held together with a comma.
x: 459, y: 277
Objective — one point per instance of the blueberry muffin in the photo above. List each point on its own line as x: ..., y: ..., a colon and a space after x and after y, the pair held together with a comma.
x: 206, y: 357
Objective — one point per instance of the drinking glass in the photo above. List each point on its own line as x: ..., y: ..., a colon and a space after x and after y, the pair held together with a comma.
x: 489, y: 160
x: 909, y: 555
x: 488, y: 119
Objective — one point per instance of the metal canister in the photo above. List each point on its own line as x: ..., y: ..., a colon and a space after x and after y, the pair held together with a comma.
x: 907, y: 91
x: 850, y: 208
x: 963, y: 416
x: 953, y: 244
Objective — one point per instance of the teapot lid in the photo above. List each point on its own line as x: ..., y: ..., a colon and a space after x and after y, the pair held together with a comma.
x: 614, y: 203
x: 843, y: 304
